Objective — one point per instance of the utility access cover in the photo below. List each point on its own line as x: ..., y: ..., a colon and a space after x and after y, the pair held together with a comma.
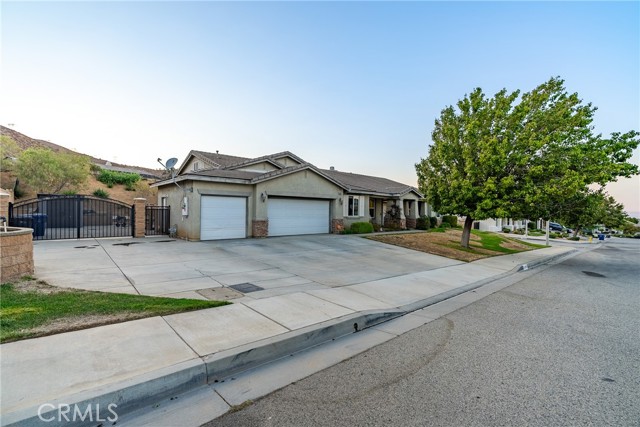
x: 246, y: 288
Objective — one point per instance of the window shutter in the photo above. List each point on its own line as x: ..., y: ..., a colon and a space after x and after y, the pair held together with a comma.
x: 345, y: 206
x: 361, y: 207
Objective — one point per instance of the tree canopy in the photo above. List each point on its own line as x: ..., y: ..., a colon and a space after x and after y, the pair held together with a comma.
x: 47, y: 171
x: 590, y: 208
x: 518, y: 156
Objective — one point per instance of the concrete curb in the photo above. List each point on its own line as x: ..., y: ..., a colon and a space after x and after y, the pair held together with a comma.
x: 145, y: 390
x: 127, y: 395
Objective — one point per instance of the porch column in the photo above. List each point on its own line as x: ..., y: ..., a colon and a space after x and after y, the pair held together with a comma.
x: 403, y: 217
x: 411, y: 213
x: 140, y: 204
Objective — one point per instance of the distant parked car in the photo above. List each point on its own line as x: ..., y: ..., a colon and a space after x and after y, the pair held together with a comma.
x: 554, y: 226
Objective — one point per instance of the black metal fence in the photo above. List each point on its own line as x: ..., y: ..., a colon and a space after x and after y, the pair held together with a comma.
x: 72, y: 217
x: 156, y: 220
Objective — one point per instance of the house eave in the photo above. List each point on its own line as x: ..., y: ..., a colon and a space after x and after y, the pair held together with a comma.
x: 190, y: 177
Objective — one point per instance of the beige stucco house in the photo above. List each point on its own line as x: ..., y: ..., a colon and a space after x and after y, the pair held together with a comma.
x: 216, y: 196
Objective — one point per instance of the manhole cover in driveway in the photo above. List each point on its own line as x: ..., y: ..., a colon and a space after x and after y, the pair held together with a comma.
x: 246, y: 288
x: 592, y: 274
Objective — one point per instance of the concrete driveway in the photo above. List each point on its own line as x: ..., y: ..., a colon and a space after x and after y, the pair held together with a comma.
x: 224, y: 269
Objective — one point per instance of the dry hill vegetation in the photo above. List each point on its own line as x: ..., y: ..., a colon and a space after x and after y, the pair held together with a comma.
x: 117, y: 192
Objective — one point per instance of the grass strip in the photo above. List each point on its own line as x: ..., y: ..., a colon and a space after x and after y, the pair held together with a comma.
x: 24, y: 313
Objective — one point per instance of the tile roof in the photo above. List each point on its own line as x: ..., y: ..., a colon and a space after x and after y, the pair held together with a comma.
x: 357, y: 183
x: 225, y: 166
x: 224, y: 173
x: 221, y: 160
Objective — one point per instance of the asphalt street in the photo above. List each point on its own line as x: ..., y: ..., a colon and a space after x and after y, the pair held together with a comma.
x: 559, y: 348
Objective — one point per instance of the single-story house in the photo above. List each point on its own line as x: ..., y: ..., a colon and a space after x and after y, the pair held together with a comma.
x: 216, y: 196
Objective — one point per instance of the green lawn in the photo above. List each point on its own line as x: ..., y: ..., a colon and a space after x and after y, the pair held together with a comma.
x: 28, y: 307
x: 492, y: 242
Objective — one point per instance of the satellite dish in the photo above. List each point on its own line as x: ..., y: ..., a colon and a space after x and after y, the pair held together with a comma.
x: 171, y: 162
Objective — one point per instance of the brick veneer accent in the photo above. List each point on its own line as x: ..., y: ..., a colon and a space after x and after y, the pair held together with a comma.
x: 411, y: 223
x: 260, y: 228
x: 337, y: 226
x: 16, y: 250
x: 140, y: 204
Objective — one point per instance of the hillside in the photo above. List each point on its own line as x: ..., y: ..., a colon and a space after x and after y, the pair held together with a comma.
x: 118, y: 192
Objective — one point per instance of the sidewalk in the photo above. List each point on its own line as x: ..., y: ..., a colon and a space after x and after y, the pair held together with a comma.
x: 133, y: 363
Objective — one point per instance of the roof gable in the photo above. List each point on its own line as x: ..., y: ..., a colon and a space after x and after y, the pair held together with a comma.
x: 210, y: 160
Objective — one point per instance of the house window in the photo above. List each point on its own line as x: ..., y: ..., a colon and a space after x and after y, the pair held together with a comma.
x: 372, y: 208
x: 196, y: 166
x: 354, y: 206
x: 163, y: 201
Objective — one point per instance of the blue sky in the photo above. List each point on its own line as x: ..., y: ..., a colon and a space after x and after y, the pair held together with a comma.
x: 353, y: 85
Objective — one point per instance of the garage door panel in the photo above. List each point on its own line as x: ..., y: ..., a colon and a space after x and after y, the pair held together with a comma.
x: 298, y: 216
x: 223, y: 217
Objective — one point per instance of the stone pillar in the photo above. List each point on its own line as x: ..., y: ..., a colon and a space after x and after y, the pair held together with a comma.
x: 140, y: 204
x: 17, y: 254
x: 6, y: 197
x: 337, y: 226
x: 260, y: 228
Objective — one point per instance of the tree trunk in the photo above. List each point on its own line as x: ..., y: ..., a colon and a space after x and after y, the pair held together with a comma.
x: 466, y: 232
x: 575, y: 230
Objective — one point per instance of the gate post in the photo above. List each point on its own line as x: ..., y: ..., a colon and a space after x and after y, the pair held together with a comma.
x: 139, y: 204
x: 6, y: 198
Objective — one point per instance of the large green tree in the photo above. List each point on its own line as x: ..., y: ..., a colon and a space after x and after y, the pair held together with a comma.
x: 518, y: 156
x: 47, y: 171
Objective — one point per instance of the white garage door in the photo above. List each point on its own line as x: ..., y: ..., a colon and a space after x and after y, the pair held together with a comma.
x: 289, y: 217
x: 223, y: 217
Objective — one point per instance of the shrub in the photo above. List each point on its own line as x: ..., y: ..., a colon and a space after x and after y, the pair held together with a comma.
x: 361, y: 227
x: 531, y: 225
x: 452, y: 220
x: 506, y: 230
x: 69, y: 193
x: 423, y: 223
x: 433, y: 222
x: 575, y: 239
x: 101, y: 193
x: 110, y: 178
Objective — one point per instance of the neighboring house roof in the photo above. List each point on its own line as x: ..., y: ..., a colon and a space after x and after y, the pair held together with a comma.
x: 356, y: 183
x: 225, y: 167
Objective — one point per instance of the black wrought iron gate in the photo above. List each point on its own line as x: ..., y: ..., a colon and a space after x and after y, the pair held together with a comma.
x: 156, y: 220
x: 73, y: 217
